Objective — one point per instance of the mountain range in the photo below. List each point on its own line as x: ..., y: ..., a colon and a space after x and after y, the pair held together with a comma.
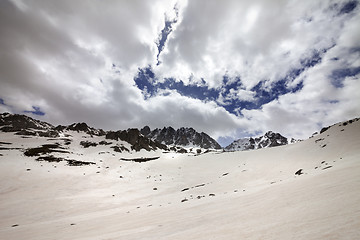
x: 269, y: 139
x: 166, y: 138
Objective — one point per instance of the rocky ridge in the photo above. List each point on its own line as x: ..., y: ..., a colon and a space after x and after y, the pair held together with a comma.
x: 166, y: 139
x: 269, y: 139
x: 180, y: 137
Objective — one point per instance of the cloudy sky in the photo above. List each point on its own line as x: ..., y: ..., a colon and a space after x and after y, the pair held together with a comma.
x: 229, y: 68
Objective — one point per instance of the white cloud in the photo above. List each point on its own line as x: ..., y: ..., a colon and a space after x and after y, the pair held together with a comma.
x: 59, y: 56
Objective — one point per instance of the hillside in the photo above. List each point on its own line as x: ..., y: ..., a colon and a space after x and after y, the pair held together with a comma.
x: 306, y: 190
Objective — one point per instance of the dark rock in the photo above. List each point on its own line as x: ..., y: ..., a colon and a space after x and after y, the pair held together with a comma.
x: 136, y: 139
x: 299, y: 172
x: 81, y: 127
x: 180, y: 137
x: 104, y: 143
x: 44, y: 149
x: 16, y: 122
x: 326, y: 167
x: 119, y: 148
x: 324, y: 129
x: 87, y: 144
x: 139, y: 160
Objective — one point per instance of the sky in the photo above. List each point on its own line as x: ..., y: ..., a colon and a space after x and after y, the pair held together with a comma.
x: 229, y: 68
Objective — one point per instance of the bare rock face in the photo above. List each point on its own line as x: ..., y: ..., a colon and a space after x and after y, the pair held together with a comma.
x: 26, y: 126
x: 135, y: 139
x: 269, y: 139
x: 16, y: 122
x: 180, y: 137
x: 82, y: 127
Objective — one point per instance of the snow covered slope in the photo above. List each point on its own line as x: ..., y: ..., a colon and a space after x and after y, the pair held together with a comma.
x: 307, y: 190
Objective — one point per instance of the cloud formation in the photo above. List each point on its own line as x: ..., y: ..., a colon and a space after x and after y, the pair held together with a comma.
x: 229, y: 68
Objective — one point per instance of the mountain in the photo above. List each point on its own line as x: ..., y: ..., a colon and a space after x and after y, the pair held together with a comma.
x: 269, y: 139
x: 138, y: 139
x: 81, y: 127
x: 180, y: 137
x: 16, y: 122
x: 24, y: 125
x: 53, y: 188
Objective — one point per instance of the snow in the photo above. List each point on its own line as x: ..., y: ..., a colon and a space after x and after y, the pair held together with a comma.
x: 256, y: 193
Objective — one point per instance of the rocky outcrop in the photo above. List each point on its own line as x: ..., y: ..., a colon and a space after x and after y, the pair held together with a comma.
x: 135, y: 139
x: 81, y: 127
x: 269, y: 139
x: 180, y: 137
x: 16, y: 122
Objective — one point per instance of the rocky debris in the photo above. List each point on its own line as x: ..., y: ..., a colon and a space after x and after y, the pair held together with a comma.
x: 270, y: 139
x: 340, y: 124
x: 87, y: 144
x: 326, y: 167
x: 324, y: 129
x: 70, y: 162
x: 136, y: 140
x: 119, y: 148
x: 105, y: 143
x: 178, y: 149
x: 44, y: 149
x: 299, y: 172
x: 180, y: 137
x: 139, y: 160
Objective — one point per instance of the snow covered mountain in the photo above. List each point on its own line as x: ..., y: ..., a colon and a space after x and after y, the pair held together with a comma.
x: 78, y: 187
x: 180, y: 137
x: 269, y: 139
x: 166, y: 139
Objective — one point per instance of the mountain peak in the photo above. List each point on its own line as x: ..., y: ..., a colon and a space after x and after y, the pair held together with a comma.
x: 184, y: 136
x: 269, y: 139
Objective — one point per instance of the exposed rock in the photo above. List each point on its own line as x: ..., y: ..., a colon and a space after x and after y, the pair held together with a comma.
x: 16, y: 122
x: 180, y: 137
x: 119, y: 148
x: 81, y: 127
x: 270, y: 139
x: 87, y: 144
x: 44, y: 149
x: 139, y: 160
x: 136, y: 140
x: 299, y: 172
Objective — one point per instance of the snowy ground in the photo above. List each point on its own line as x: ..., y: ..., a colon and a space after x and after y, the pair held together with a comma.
x: 238, y: 195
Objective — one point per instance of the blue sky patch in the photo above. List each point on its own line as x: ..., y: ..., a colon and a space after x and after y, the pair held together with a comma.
x: 348, y: 7
x: 165, y: 32
x: 338, y: 76
x: 36, y: 111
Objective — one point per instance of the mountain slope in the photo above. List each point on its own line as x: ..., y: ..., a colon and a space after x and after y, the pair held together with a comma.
x: 308, y: 190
